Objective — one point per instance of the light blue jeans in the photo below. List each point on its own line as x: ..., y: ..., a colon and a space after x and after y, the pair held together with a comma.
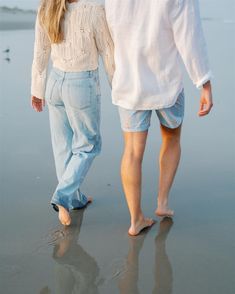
x: 74, y: 110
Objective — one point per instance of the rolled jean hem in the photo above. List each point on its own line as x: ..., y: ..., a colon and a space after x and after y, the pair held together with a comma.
x: 54, y: 203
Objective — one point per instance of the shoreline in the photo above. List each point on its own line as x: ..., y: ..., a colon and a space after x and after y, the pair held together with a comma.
x: 16, y: 26
x: 12, y: 19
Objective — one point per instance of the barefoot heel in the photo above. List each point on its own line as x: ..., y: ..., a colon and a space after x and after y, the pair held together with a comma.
x: 144, y: 229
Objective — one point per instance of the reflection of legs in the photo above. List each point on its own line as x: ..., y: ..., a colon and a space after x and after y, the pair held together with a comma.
x: 70, y: 236
x: 128, y: 284
x: 131, y: 178
x: 76, y: 270
x: 168, y: 160
x: 163, y: 269
x: 64, y: 280
x: 45, y: 290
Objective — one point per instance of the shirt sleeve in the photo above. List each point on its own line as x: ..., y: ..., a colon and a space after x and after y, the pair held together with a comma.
x: 189, y: 38
x: 42, y: 49
x: 104, y: 41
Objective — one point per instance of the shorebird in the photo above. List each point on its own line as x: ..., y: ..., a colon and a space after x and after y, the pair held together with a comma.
x: 7, y: 50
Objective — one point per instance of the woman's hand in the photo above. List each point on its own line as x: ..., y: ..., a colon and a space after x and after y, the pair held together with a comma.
x: 37, y: 103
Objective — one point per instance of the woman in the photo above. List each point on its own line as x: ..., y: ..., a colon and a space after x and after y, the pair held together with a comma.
x: 73, y: 33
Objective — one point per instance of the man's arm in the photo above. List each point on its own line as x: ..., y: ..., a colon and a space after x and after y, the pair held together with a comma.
x: 189, y: 38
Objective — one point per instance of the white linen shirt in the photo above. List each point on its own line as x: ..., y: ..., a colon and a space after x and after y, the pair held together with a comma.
x: 149, y: 38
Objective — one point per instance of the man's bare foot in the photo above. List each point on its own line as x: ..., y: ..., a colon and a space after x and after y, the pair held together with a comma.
x: 64, y: 216
x: 164, y: 212
x: 140, y: 225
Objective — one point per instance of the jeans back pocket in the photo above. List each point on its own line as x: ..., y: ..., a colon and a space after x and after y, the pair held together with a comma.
x: 80, y: 93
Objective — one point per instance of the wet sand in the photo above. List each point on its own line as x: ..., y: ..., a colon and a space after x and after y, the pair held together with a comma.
x: 193, y: 254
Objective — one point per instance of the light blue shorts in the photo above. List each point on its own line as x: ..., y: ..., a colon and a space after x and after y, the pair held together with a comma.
x: 139, y: 120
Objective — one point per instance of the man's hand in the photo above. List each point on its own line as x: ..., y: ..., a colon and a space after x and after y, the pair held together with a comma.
x: 206, y: 102
x: 37, y: 103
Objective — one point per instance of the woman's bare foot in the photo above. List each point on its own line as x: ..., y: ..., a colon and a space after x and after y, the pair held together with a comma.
x: 140, y: 225
x: 64, y: 216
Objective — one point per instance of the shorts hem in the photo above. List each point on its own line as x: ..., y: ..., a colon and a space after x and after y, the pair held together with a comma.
x: 136, y: 130
x: 172, y: 127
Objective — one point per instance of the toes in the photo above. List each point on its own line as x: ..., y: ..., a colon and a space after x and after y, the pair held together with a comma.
x: 68, y: 223
x: 151, y: 222
x: 170, y: 213
x: 65, y: 223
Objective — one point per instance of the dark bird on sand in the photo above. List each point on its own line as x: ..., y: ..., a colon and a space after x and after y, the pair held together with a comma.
x: 7, y: 50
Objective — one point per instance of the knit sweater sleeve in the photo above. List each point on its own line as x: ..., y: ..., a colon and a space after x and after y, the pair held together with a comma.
x: 42, y: 49
x: 104, y: 41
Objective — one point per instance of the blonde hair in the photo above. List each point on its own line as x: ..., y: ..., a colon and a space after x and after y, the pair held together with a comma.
x: 51, y: 17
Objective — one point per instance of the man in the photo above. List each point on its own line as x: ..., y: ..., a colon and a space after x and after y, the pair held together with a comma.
x: 149, y: 39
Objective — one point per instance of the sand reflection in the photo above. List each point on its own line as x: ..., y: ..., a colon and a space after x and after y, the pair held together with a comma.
x: 163, y: 276
x: 76, y: 271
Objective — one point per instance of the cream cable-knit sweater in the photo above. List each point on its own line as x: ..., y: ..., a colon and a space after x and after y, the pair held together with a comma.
x: 86, y: 35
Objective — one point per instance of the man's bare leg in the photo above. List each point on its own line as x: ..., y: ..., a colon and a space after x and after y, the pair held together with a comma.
x: 168, y: 161
x: 131, y: 179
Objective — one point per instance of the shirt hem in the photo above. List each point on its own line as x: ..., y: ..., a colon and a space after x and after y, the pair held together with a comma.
x: 153, y: 107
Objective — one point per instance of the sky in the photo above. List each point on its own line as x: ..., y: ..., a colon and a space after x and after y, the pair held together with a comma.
x: 210, y: 4
x: 26, y: 4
